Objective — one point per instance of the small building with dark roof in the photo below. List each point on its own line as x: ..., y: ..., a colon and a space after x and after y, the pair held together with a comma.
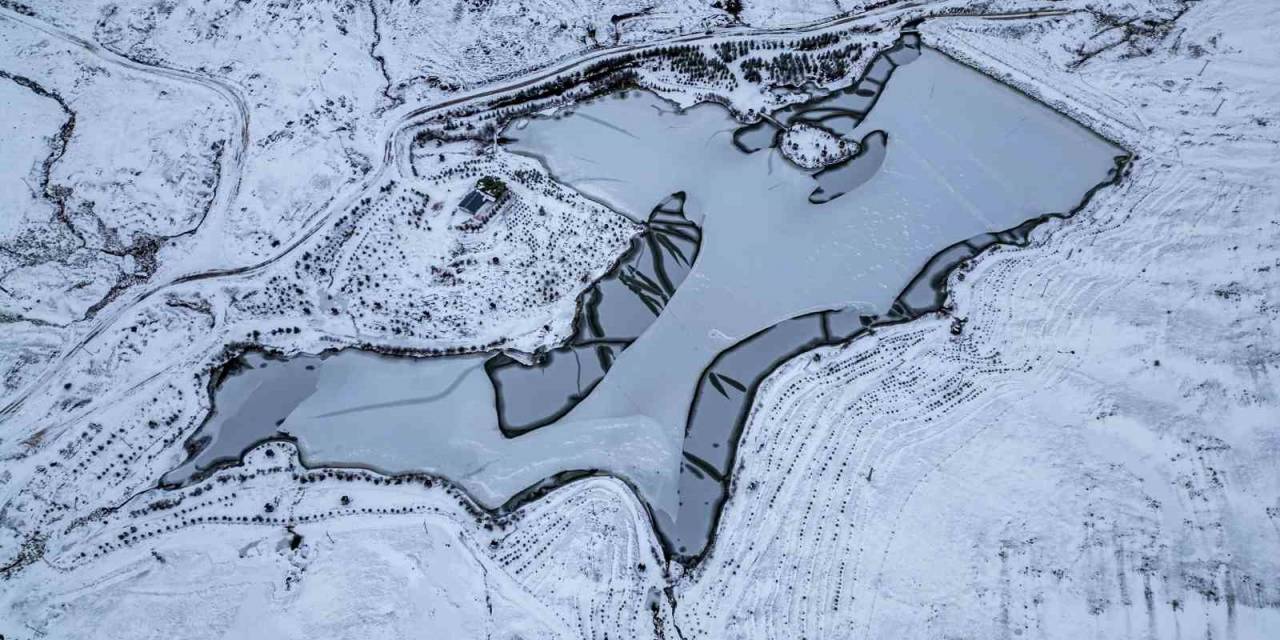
x: 473, y: 202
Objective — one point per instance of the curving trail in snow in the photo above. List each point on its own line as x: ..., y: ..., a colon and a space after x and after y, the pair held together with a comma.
x: 229, y: 184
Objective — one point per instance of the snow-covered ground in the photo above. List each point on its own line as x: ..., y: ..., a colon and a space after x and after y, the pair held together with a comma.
x: 123, y: 163
x: 1094, y: 453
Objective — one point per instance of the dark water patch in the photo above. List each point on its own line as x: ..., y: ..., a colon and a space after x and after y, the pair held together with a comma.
x: 534, y: 395
x: 255, y: 394
x: 852, y: 172
x: 718, y: 401
x: 721, y: 402
x: 615, y: 311
x: 755, y: 137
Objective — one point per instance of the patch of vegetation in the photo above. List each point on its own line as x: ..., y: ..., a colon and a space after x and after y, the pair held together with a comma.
x: 493, y: 187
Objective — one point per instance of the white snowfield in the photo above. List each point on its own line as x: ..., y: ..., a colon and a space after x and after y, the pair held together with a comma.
x: 1094, y: 454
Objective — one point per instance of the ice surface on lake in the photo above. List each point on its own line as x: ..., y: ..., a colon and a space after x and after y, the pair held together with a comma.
x: 964, y: 156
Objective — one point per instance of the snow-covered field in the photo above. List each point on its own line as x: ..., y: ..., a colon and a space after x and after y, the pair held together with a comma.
x: 1094, y: 453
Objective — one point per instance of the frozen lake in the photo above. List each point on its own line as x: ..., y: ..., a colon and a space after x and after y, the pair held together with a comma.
x: 964, y: 156
x: 951, y: 156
